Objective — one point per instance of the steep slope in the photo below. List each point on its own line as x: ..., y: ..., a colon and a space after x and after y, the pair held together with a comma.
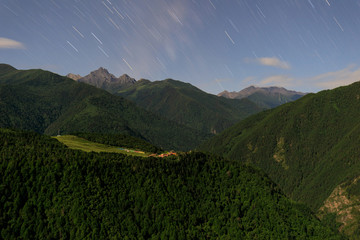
x: 309, y: 147
x: 185, y: 104
x: 265, y: 97
x: 50, y: 192
x: 48, y: 103
x: 101, y: 78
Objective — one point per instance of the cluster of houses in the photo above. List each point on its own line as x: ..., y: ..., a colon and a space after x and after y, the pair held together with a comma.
x: 171, y: 153
x: 164, y: 154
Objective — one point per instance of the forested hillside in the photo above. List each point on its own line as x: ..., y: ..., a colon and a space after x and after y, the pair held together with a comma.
x: 51, y: 192
x: 185, y: 104
x: 310, y: 147
x: 48, y: 103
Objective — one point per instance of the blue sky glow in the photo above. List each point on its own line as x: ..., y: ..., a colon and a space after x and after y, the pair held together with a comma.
x: 216, y: 45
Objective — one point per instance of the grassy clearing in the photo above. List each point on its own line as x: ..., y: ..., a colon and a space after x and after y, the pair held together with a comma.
x: 75, y: 142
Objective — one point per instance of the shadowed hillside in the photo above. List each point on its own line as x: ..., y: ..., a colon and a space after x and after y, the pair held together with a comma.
x: 310, y: 147
x: 51, y: 192
x: 185, y: 104
x: 48, y: 103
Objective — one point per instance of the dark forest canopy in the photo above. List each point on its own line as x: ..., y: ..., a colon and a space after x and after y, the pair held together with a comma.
x: 309, y: 147
x: 49, y: 191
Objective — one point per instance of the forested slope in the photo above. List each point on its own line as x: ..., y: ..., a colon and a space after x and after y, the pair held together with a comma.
x: 310, y: 147
x: 185, y: 104
x: 50, y: 192
x: 48, y: 103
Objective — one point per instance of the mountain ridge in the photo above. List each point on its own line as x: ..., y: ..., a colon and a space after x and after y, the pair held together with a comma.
x: 264, y: 97
x: 268, y: 97
x: 101, y: 78
x: 186, y: 104
x: 48, y: 103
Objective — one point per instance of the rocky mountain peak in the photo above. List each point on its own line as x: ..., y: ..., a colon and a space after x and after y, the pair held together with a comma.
x: 126, y: 78
x: 102, y: 73
x: 101, y: 78
x: 102, y: 70
x: 73, y: 76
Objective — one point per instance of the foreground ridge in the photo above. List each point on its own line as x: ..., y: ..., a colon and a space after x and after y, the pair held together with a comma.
x: 50, y: 191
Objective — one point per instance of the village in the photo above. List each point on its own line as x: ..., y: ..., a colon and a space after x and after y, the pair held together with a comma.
x: 162, y: 155
x: 171, y: 153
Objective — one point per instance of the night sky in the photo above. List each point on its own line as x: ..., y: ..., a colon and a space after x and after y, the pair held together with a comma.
x: 216, y: 45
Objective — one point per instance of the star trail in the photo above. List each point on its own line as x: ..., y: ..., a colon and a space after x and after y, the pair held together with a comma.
x: 305, y: 45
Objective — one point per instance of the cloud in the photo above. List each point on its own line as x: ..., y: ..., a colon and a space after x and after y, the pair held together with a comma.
x: 164, y: 33
x: 270, y: 61
x: 273, y: 62
x: 328, y: 80
x: 248, y: 80
x: 10, y: 44
x: 339, y: 78
x: 278, y: 80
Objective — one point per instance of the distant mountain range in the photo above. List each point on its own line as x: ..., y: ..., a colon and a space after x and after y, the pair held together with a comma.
x: 48, y: 103
x: 310, y: 147
x: 70, y: 106
x: 263, y: 97
x: 185, y: 104
x: 269, y: 97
